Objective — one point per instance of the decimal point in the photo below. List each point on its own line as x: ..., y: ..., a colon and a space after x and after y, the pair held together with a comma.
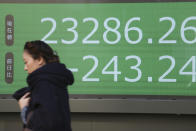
x: 149, y: 79
x: 149, y: 40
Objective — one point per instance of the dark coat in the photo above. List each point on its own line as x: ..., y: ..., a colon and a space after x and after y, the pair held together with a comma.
x: 49, y: 106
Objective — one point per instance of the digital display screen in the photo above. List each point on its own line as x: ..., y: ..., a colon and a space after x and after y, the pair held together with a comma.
x: 111, y: 48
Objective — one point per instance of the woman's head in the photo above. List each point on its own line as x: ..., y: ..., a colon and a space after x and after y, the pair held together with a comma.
x: 36, y: 54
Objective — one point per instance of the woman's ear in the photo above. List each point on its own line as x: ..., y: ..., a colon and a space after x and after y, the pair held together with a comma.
x: 41, y: 61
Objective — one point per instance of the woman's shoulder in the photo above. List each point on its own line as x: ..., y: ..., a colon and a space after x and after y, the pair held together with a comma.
x: 53, y: 73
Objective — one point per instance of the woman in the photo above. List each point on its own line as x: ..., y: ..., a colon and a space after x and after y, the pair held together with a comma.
x: 44, y: 103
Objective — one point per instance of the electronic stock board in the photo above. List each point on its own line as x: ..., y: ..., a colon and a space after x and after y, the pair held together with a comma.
x: 111, y: 48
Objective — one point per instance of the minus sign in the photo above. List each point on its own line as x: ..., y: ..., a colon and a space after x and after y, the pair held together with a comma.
x: 73, y: 69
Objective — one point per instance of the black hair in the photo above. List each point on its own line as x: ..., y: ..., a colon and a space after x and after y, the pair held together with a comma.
x: 38, y: 49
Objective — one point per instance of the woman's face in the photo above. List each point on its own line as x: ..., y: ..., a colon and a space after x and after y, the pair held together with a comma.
x: 31, y: 64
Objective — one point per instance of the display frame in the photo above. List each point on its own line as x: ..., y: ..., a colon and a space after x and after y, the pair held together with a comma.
x: 115, y: 103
